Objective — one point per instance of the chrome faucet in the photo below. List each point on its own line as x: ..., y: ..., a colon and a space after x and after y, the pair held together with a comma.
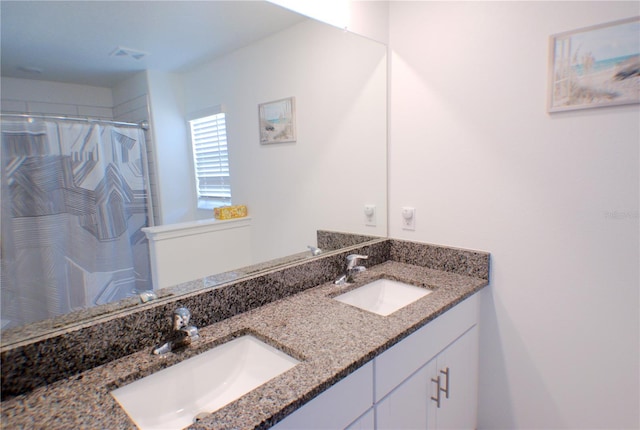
x: 352, y: 269
x: 182, y: 335
x: 314, y: 250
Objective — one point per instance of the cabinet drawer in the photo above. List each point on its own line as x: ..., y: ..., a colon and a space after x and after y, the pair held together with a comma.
x: 400, y: 361
x: 337, y: 407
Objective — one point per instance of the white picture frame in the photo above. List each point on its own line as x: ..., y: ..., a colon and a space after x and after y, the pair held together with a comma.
x: 277, y: 121
x: 595, y: 66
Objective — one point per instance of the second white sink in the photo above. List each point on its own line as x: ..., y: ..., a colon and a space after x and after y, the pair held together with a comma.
x: 383, y: 296
x: 173, y: 397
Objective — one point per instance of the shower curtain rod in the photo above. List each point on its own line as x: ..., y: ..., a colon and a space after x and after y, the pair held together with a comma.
x: 143, y: 125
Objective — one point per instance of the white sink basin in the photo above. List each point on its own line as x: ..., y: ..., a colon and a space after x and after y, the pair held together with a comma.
x: 172, y: 397
x: 383, y: 296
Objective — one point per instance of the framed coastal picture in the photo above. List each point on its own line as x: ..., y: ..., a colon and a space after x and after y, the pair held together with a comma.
x: 595, y: 66
x: 278, y: 121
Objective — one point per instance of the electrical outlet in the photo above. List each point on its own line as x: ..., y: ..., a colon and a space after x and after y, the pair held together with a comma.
x: 408, y: 218
x: 370, y: 215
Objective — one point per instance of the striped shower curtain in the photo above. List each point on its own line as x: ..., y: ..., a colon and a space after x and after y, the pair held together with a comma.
x: 74, y: 200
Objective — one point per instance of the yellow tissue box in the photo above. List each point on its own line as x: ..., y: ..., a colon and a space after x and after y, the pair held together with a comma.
x: 229, y: 212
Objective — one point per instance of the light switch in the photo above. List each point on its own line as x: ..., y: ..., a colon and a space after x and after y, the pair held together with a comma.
x: 408, y: 218
x: 370, y: 215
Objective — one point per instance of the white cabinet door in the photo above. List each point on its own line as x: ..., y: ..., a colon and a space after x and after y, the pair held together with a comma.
x: 457, y: 366
x: 412, y: 404
x: 403, y: 359
x: 406, y: 407
x: 365, y: 422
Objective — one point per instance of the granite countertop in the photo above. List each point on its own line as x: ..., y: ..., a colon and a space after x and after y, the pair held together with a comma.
x: 330, y: 338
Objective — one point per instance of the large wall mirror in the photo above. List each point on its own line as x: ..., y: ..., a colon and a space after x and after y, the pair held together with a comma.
x: 164, y: 61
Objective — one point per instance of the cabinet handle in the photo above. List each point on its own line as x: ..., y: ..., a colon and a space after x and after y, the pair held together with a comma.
x: 437, y: 397
x: 446, y: 372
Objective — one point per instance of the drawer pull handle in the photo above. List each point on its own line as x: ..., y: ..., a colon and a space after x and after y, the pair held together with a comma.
x: 437, y: 397
x: 446, y: 372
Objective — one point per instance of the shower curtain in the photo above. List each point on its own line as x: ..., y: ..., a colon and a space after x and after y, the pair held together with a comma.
x: 74, y: 200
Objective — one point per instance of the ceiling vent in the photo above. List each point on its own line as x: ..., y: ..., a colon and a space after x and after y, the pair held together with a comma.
x: 30, y: 70
x: 121, y: 51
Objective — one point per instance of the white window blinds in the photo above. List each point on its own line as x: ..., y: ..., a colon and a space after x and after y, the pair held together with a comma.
x: 211, y: 160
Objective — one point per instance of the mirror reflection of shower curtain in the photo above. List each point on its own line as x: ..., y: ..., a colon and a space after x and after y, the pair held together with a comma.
x: 74, y: 200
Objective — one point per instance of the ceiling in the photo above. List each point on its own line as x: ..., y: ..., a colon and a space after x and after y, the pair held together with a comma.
x: 71, y: 41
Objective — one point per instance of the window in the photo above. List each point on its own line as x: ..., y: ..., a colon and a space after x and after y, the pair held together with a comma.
x: 211, y: 160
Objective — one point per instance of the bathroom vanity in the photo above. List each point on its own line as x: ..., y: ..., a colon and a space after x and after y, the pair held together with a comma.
x: 426, y: 381
x: 416, y: 367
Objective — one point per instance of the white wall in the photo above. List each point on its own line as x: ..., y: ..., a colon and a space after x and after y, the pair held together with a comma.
x: 324, y: 179
x: 130, y: 99
x: 370, y: 19
x: 55, y: 98
x: 554, y: 198
x: 173, y: 151
x: 367, y: 18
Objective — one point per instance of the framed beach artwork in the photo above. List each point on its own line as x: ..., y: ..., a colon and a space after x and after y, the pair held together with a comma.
x: 595, y: 66
x: 278, y: 121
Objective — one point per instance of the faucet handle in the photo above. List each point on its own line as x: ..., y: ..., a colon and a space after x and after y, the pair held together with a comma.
x: 181, y: 317
x: 314, y: 250
x: 192, y: 332
x: 354, y: 259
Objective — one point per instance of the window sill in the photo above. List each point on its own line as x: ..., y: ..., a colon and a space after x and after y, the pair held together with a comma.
x: 182, y: 229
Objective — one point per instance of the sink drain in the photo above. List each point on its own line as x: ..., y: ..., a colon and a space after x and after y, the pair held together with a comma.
x: 200, y: 417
